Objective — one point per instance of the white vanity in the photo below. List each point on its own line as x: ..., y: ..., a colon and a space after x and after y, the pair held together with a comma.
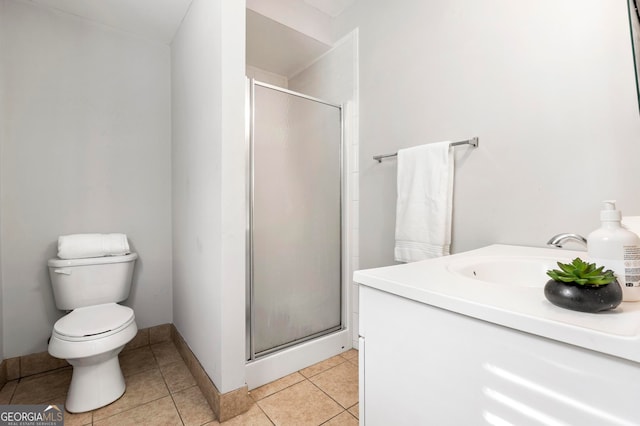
x: 470, y: 339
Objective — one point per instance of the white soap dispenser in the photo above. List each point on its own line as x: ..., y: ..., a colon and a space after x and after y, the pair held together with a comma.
x: 618, y: 249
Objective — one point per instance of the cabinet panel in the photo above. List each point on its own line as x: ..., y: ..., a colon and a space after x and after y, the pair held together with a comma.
x: 425, y: 365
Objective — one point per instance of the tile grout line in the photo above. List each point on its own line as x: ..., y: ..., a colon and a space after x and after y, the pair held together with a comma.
x: 330, y: 397
x: 264, y: 412
x: 297, y: 383
x: 91, y: 420
x: 169, y: 393
x: 324, y: 371
x: 42, y: 374
x: 124, y: 411
x: 339, y: 414
x: 14, y: 390
x: 148, y: 402
x: 175, y: 406
x: 279, y: 390
x: 342, y: 359
x: 333, y: 399
x: 308, y: 379
x: 173, y: 401
x: 293, y: 384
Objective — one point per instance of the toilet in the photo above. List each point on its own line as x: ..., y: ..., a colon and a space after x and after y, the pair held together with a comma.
x: 93, y: 333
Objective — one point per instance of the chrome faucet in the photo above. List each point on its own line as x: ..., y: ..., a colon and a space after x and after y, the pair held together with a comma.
x: 560, y: 239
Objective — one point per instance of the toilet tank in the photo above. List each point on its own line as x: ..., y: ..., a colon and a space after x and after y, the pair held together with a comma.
x: 93, y: 281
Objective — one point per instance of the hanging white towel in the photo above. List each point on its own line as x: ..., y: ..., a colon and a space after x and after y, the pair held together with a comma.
x: 79, y: 246
x: 425, y: 201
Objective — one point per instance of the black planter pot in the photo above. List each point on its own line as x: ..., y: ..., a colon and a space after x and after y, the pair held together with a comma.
x: 583, y: 298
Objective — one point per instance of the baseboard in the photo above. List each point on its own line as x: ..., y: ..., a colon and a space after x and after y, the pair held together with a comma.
x: 41, y: 362
x: 28, y: 365
x: 3, y: 373
x: 224, y: 405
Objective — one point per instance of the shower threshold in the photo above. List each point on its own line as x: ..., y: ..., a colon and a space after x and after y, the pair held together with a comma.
x: 288, y: 360
x: 278, y: 348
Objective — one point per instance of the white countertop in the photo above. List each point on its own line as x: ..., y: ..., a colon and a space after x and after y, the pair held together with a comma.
x: 615, y: 332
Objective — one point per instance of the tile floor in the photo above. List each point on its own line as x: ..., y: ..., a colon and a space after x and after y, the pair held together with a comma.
x: 162, y: 391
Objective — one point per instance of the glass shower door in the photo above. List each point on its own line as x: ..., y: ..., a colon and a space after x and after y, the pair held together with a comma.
x: 295, y: 235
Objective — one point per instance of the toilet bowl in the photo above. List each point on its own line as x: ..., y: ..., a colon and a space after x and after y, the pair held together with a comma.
x: 91, y: 336
x: 90, y: 339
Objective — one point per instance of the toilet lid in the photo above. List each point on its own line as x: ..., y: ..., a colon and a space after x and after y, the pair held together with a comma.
x: 94, y: 320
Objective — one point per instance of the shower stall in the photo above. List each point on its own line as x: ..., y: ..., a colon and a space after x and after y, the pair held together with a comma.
x: 295, y: 233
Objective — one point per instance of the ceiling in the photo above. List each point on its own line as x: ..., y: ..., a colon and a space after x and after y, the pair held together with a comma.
x: 271, y: 46
x: 332, y: 8
x: 154, y: 19
x: 277, y: 48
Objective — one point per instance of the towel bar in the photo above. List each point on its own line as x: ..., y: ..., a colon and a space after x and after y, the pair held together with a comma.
x: 474, y: 142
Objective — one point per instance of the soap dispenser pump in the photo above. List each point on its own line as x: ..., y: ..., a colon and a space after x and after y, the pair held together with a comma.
x: 618, y: 249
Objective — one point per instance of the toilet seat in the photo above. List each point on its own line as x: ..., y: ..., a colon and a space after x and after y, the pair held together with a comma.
x: 101, y: 332
x: 93, y: 322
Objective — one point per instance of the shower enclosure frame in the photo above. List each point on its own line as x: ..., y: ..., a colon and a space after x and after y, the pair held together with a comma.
x: 251, y: 354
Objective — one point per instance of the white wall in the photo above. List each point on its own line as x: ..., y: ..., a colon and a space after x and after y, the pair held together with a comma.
x: 548, y: 86
x: 208, y: 187
x: 334, y: 77
x: 86, y: 149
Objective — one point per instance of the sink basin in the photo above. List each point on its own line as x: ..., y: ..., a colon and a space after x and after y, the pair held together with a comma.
x: 504, y: 285
x: 516, y: 270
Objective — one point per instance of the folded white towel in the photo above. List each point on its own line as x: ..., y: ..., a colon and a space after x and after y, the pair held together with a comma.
x: 80, y: 246
x: 425, y: 201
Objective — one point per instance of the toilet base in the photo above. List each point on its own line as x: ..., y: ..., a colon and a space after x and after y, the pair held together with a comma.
x: 96, y: 381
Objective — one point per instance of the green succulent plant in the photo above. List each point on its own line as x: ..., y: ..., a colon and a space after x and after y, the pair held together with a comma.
x: 582, y: 273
